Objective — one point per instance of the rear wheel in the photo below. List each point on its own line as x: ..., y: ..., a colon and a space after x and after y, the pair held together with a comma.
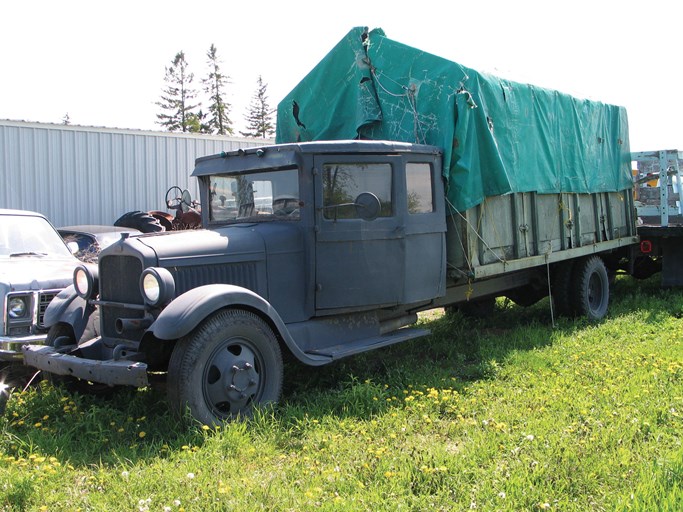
x: 226, y: 367
x: 590, y: 288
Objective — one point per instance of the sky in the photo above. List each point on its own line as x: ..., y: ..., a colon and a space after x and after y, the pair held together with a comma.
x: 103, y: 62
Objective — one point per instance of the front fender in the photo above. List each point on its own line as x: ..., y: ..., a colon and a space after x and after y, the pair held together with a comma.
x: 187, y: 310
x: 67, y: 307
x: 185, y: 313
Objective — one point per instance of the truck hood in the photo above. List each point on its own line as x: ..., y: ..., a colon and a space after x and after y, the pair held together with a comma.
x: 241, y: 242
x: 35, y: 273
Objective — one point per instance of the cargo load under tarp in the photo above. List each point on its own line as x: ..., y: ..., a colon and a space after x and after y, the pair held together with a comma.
x: 498, y: 136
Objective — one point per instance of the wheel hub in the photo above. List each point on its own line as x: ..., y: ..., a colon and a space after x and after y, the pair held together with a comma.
x: 241, y: 380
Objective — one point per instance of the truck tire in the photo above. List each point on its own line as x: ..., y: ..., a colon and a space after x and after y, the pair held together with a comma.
x: 590, y: 288
x: 142, y: 221
x: 228, y: 365
x: 561, y: 287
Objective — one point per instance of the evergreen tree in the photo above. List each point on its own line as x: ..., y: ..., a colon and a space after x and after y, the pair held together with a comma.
x: 177, y: 97
x: 196, y: 123
x: 260, y: 116
x: 219, y: 111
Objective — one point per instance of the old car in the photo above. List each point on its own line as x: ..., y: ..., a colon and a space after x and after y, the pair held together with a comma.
x: 35, y: 265
x: 92, y: 238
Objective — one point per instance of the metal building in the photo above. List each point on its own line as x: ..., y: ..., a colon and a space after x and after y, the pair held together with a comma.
x: 86, y: 175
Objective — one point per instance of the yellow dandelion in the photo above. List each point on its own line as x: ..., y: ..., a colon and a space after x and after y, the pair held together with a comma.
x: 142, y: 434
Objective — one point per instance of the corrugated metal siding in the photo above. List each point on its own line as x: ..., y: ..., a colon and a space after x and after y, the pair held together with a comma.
x: 83, y: 175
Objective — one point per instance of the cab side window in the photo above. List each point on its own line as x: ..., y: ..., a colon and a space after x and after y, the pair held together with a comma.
x: 420, y: 188
x: 344, y: 182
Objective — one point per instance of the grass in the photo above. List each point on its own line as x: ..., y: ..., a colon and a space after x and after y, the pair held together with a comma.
x: 509, y: 413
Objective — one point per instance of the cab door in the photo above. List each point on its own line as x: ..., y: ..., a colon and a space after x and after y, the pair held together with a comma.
x: 359, y: 261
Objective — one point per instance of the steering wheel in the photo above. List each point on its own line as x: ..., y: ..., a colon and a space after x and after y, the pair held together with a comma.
x: 286, y: 206
x: 174, y: 197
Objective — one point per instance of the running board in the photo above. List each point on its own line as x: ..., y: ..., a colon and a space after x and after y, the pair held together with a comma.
x: 365, y: 344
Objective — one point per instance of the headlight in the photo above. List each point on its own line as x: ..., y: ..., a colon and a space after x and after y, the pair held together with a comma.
x: 157, y: 286
x: 85, y: 281
x: 17, y: 307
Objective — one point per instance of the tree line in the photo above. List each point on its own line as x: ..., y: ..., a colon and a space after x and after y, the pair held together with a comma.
x: 181, y: 107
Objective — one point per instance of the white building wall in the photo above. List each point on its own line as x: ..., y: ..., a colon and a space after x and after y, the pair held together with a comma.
x: 82, y: 175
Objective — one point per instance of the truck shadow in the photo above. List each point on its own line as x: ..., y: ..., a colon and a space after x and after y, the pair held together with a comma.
x: 460, y: 351
x: 136, y: 425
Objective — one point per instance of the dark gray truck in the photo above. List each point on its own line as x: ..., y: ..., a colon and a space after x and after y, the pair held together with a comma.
x: 322, y: 250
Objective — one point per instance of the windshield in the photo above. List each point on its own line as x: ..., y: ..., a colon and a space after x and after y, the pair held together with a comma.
x: 255, y: 197
x: 22, y: 235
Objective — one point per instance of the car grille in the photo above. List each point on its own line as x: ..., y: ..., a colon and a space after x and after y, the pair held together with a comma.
x: 44, y: 299
x: 119, y: 282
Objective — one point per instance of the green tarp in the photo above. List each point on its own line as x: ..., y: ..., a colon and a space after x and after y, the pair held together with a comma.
x: 497, y: 136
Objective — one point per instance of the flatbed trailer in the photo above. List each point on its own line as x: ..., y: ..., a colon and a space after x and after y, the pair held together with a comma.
x: 657, y: 194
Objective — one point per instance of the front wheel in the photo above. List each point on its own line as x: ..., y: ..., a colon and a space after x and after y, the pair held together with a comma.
x: 227, y: 366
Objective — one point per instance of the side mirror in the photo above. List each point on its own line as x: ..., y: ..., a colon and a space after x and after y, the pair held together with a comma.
x: 73, y: 247
x: 367, y: 206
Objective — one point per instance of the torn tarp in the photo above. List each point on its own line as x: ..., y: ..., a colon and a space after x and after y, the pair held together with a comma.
x: 497, y: 136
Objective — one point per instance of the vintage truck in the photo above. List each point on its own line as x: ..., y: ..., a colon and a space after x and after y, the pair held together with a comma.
x: 325, y: 249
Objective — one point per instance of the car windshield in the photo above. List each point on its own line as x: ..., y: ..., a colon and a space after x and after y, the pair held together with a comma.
x: 255, y: 197
x: 24, y: 235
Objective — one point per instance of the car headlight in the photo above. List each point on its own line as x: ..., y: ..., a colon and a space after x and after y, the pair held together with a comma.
x: 157, y: 286
x: 17, y: 307
x: 85, y: 281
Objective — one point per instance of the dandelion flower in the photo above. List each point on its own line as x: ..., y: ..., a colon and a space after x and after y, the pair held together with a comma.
x: 142, y: 434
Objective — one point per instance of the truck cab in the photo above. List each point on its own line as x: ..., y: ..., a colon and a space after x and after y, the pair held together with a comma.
x: 320, y: 249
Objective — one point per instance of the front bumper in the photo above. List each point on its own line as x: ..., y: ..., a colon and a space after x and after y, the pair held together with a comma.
x: 10, y: 347
x: 112, y: 372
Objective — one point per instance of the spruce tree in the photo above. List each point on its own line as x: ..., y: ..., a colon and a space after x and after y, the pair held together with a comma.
x: 260, y: 116
x: 176, y: 99
x: 219, y: 111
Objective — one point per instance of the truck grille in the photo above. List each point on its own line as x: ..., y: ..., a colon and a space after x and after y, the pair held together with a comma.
x: 240, y: 274
x: 44, y: 299
x: 119, y: 282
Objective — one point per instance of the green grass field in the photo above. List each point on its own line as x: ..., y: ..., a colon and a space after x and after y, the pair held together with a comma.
x: 507, y: 413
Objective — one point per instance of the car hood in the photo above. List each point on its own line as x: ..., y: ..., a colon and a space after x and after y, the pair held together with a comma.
x: 36, y: 273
